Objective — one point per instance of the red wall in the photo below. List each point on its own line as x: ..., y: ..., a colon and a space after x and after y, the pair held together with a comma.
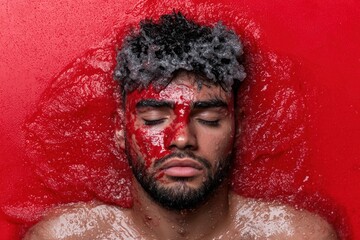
x: 39, y: 39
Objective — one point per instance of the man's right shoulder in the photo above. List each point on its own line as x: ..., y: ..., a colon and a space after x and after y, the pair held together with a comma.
x: 91, y: 220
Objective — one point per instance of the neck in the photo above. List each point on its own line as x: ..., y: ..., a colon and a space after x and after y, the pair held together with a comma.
x: 161, y: 223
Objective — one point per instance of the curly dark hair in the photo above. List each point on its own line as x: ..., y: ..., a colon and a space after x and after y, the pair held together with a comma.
x: 155, y: 52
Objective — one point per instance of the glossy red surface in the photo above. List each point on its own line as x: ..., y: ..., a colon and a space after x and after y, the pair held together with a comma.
x: 300, y: 123
x: 153, y: 143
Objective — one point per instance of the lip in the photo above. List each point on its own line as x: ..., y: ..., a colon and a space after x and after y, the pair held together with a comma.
x: 182, y: 168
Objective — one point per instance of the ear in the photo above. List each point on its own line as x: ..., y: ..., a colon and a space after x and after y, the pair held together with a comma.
x: 119, y: 126
x: 120, y: 138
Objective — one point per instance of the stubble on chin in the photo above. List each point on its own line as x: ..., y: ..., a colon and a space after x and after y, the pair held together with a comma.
x: 179, y: 195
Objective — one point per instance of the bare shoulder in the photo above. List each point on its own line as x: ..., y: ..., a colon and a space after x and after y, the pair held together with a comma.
x: 271, y: 220
x: 91, y: 220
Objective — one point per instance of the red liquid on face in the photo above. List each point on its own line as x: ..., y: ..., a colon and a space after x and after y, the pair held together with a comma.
x: 155, y: 143
x: 73, y: 154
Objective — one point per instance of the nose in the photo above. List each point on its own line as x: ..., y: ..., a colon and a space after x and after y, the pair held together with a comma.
x: 184, y: 138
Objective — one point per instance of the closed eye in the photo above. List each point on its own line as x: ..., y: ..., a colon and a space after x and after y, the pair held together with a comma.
x: 211, y: 123
x: 153, y: 122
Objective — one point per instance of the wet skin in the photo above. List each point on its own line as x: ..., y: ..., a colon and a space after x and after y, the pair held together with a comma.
x: 181, y: 136
x: 200, y: 125
x: 249, y: 219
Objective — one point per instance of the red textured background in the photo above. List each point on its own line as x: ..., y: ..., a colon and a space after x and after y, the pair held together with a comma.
x: 38, y: 39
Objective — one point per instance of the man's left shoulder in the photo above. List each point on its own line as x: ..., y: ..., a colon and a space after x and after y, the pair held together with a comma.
x: 308, y: 225
x: 273, y: 220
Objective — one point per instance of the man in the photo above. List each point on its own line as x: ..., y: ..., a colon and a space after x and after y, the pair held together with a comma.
x: 179, y: 82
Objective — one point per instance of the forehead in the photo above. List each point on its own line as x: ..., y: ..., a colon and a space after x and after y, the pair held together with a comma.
x: 183, y: 88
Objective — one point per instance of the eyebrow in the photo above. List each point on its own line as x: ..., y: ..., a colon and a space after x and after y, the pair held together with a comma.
x: 154, y: 103
x: 213, y: 103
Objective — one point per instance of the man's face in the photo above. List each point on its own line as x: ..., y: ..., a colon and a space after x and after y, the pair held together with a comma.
x: 179, y: 141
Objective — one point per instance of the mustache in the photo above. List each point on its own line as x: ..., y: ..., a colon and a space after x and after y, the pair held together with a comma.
x: 180, y: 155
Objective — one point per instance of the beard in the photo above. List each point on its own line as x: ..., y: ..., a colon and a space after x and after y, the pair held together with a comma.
x: 181, y: 196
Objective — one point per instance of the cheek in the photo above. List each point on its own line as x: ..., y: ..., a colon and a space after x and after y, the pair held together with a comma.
x: 147, y: 143
x: 219, y: 143
x: 153, y: 143
x: 227, y: 143
x: 230, y: 138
